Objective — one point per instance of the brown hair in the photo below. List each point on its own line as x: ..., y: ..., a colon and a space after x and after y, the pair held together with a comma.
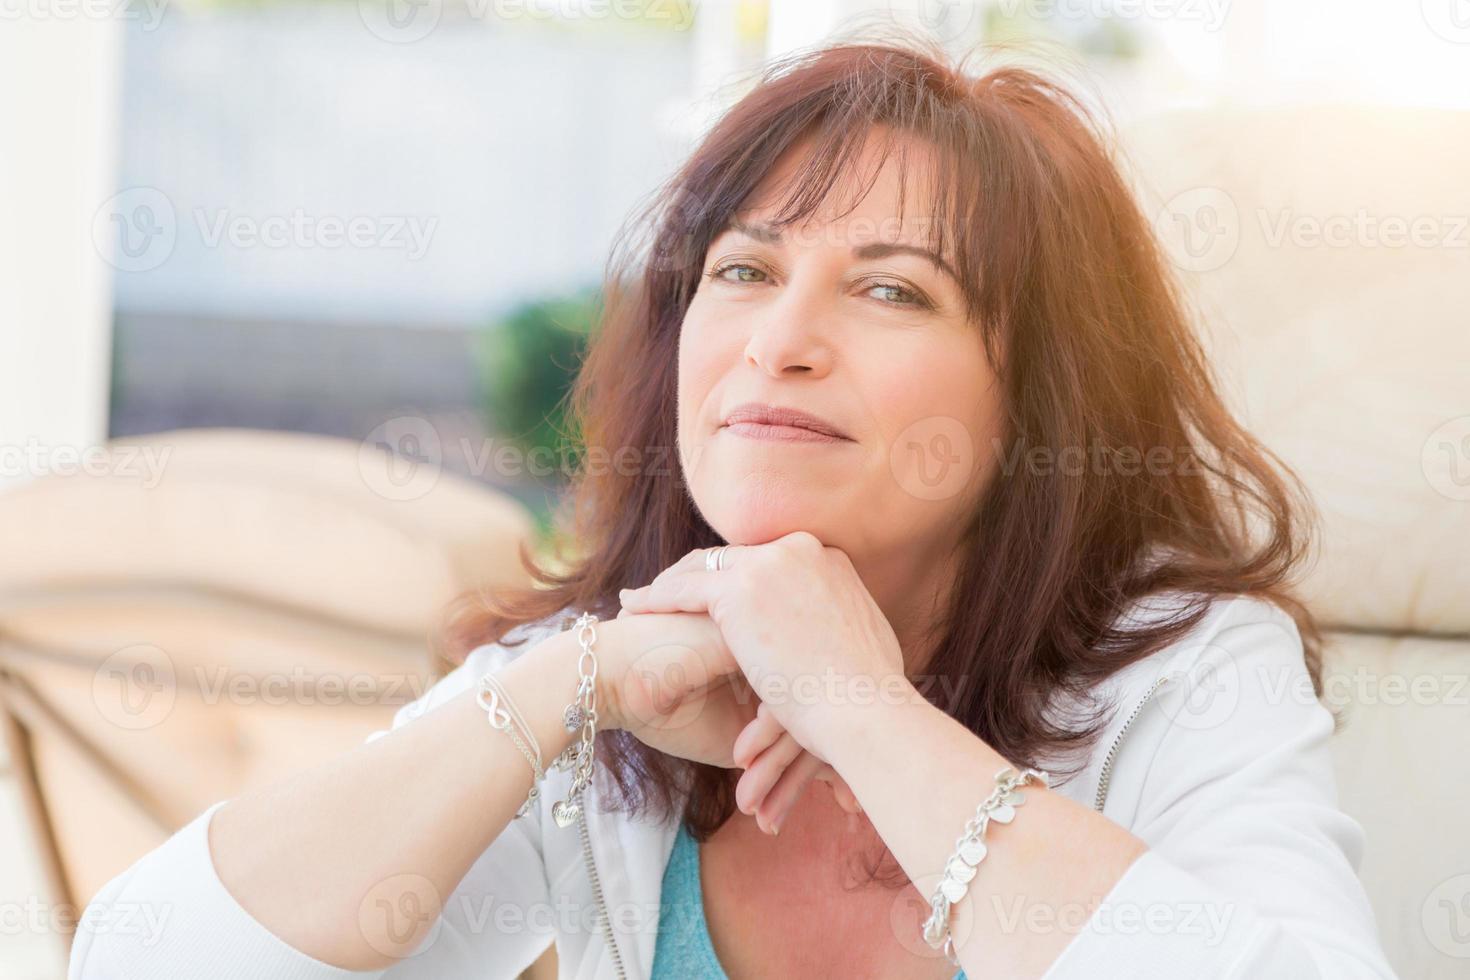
x: 1065, y: 278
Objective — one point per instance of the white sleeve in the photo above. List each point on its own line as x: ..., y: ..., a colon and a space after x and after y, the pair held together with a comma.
x: 1251, y: 870
x: 169, y: 915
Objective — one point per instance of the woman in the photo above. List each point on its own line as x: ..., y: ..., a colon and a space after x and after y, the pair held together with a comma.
x: 926, y: 374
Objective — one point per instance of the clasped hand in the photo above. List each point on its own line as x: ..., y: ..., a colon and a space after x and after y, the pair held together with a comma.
x: 789, y: 611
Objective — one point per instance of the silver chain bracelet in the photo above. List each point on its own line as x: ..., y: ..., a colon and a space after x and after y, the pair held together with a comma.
x: 580, y: 713
x: 970, y: 850
x: 504, y: 716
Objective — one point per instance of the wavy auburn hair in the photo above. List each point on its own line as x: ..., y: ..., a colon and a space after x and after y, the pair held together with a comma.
x: 1064, y: 277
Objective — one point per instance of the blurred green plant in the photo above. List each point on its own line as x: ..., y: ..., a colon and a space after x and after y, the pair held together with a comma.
x: 527, y: 361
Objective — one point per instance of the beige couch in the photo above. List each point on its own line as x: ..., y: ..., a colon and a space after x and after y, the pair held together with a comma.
x: 1329, y: 252
x: 172, y: 635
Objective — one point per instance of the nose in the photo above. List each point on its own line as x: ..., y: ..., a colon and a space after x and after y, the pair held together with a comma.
x: 789, y: 337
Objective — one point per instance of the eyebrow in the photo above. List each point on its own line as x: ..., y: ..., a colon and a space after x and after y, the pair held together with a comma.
x: 874, y: 250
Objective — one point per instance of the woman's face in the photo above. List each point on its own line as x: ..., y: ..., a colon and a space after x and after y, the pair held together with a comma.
x: 852, y: 321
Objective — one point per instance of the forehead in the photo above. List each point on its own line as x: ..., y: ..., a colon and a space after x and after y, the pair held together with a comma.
x: 882, y: 192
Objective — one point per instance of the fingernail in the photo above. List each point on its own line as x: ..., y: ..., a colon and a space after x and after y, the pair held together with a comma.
x: 776, y: 827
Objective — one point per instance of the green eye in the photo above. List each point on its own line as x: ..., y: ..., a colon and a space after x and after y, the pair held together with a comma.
x: 745, y: 273
x: 897, y: 295
x: 893, y: 293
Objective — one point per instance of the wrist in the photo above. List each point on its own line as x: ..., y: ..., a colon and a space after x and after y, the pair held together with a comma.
x: 606, y: 649
x: 849, y: 730
x: 543, y: 681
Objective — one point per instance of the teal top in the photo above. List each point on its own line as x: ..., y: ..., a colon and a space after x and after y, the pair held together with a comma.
x: 683, y: 950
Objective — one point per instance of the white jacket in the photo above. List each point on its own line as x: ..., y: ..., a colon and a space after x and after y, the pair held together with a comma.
x: 1217, y: 759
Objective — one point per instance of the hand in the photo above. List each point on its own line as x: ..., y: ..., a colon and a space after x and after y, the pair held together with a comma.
x: 792, y: 612
x: 670, y: 680
x: 777, y: 772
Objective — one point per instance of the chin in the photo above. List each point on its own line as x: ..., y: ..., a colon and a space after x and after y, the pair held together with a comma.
x: 745, y: 517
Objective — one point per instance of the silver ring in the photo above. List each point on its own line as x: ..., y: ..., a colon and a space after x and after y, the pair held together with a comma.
x: 714, y: 559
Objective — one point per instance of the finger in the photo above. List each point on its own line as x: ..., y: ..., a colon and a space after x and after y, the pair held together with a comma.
x: 772, y: 810
x: 664, y: 675
x: 696, y: 561
x: 847, y: 799
x: 841, y: 792
x: 722, y: 725
x: 763, y: 773
x: 756, y: 737
x: 681, y: 592
x: 688, y: 573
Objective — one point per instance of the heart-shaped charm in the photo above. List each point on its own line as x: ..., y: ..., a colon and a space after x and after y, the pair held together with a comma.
x: 972, y: 852
x: 953, y: 890
x: 1004, y: 813
x: 960, y: 871
x: 564, y: 812
x: 1014, y: 798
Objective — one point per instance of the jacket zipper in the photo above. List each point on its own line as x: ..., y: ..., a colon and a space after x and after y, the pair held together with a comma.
x: 602, y: 920
x: 1107, y: 766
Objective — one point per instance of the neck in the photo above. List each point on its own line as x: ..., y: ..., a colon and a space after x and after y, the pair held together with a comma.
x: 911, y: 588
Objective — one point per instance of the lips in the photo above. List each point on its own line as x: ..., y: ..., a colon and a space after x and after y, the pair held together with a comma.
x: 756, y: 413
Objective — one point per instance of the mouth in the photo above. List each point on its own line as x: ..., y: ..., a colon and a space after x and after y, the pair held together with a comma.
x: 754, y: 420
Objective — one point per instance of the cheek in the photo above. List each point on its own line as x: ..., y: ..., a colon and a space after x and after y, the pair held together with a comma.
x: 936, y: 416
x: 701, y: 364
